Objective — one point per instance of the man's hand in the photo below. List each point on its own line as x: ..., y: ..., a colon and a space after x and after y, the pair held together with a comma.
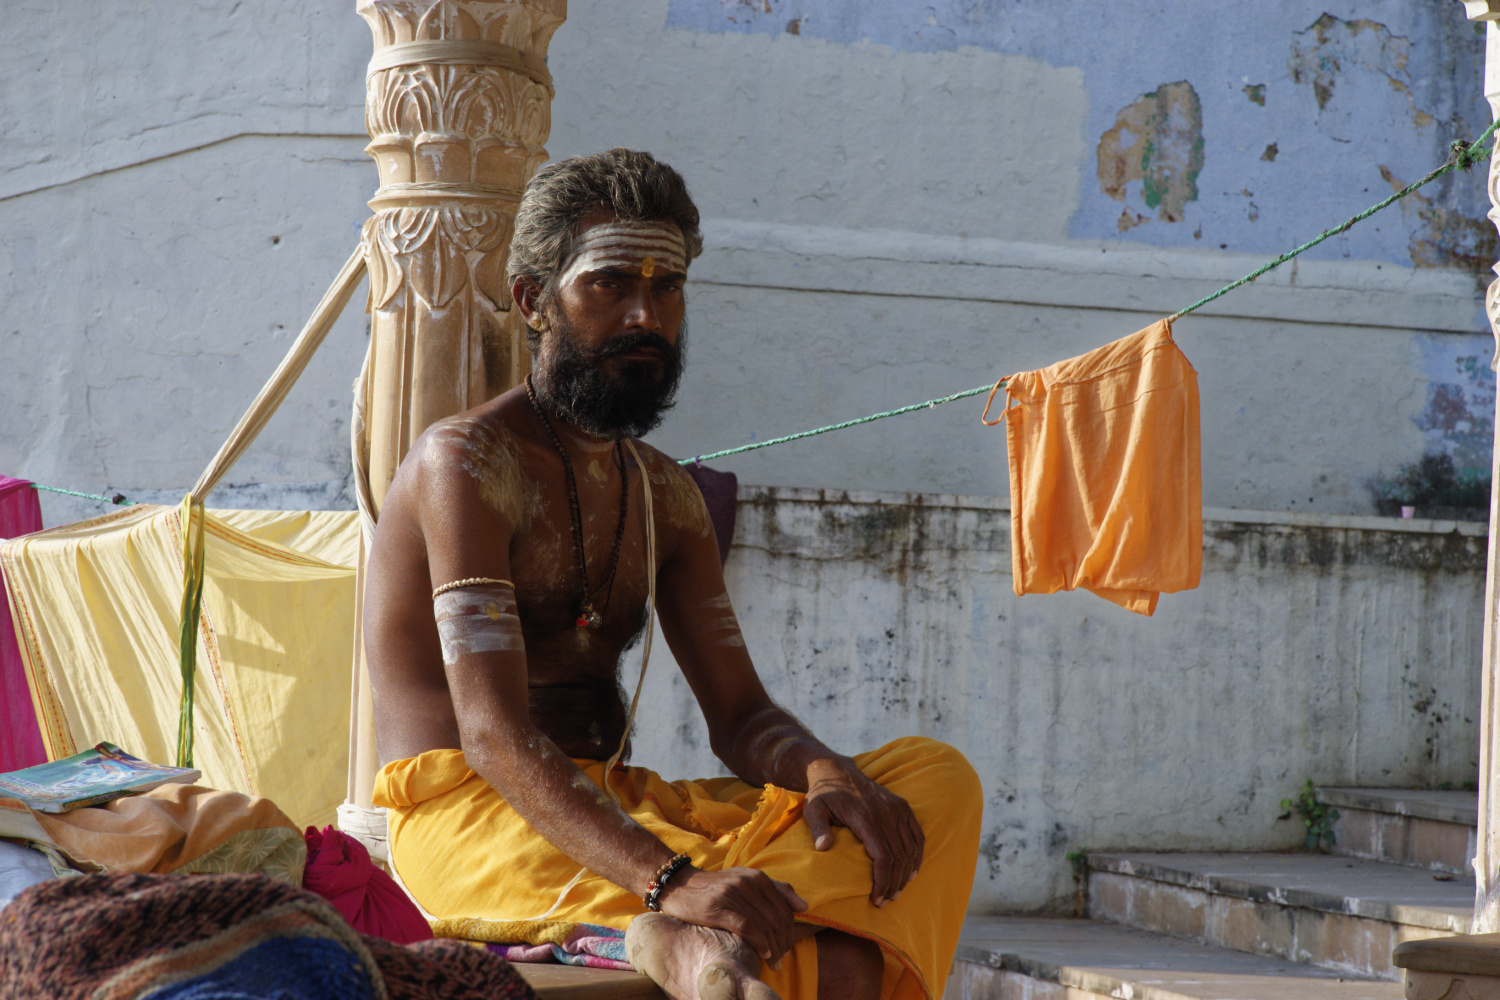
x: 839, y: 795
x: 742, y: 901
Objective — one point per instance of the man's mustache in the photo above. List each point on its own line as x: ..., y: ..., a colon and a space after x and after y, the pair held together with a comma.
x: 629, y: 343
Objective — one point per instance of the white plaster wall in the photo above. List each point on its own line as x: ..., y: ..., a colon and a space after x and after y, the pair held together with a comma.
x: 1341, y: 649
x: 180, y: 182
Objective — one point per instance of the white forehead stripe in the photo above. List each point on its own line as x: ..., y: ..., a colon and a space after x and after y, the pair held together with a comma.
x: 627, y: 245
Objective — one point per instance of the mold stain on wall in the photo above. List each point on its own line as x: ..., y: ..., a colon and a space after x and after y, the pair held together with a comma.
x: 1158, y: 141
x: 1458, y: 417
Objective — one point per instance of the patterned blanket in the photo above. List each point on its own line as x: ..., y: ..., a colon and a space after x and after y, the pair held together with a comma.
x: 212, y: 937
x: 572, y: 944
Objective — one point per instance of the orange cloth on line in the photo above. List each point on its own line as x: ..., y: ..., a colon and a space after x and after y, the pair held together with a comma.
x: 474, y: 864
x: 1105, y: 487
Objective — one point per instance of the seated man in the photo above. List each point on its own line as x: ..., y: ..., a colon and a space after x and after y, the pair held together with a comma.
x: 509, y: 573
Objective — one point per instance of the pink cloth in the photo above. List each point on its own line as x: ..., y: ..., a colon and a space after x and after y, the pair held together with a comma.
x: 20, y: 736
x: 340, y: 870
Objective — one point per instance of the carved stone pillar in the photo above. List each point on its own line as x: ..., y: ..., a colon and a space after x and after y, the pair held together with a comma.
x: 458, y: 103
x: 1487, y: 859
x: 458, y: 106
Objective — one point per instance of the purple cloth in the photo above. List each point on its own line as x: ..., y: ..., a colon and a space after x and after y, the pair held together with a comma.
x: 720, y: 493
x: 20, y: 736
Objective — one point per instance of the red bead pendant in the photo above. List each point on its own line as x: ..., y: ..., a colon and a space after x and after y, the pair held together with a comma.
x: 589, y: 618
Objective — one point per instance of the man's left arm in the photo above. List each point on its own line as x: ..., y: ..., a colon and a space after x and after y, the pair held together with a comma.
x: 760, y: 741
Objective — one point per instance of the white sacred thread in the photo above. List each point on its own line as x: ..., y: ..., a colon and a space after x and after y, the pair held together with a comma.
x: 477, y: 620
x: 628, y: 246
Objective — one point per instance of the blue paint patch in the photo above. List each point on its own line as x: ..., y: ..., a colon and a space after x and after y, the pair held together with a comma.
x: 1459, y: 417
x: 1346, y: 94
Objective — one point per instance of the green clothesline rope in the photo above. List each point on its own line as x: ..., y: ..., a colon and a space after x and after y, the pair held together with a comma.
x: 838, y: 427
x: 118, y: 498
x: 1461, y: 154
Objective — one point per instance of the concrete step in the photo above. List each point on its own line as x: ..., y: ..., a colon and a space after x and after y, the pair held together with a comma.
x: 1424, y: 829
x: 1019, y: 958
x: 1334, y: 912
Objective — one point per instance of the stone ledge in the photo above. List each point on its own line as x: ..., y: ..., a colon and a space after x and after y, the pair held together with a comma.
x: 1461, y: 808
x: 1107, y: 961
x: 1330, y: 884
x: 1154, y: 282
x: 756, y: 494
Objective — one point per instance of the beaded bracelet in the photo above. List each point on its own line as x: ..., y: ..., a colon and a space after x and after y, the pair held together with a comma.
x: 657, y: 884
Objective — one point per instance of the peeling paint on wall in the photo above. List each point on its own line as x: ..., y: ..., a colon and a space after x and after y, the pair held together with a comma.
x: 1331, y: 48
x: 1335, y: 97
x: 1459, y: 416
x: 1445, y: 237
x: 1158, y: 141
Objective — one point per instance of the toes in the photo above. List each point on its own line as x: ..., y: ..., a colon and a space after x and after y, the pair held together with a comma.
x: 719, y: 982
x: 760, y: 991
x: 723, y: 981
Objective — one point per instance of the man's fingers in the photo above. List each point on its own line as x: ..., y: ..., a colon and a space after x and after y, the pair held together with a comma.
x: 919, y: 839
x: 796, y: 902
x: 762, y: 897
x: 758, y: 932
x: 882, y: 858
x: 908, y: 837
x: 818, y: 824
x: 782, y: 910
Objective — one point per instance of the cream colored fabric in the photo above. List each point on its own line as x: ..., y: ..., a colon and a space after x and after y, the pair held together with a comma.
x: 96, y: 607
x: 363, y: 762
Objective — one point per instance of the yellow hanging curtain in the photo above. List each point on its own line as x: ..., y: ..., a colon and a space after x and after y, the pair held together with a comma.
x: 97, y: 608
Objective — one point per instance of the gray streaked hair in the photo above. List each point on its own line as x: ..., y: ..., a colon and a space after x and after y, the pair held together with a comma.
x: 631, y: 185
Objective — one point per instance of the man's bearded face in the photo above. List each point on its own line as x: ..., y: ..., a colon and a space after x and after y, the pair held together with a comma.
x: 599, y: 390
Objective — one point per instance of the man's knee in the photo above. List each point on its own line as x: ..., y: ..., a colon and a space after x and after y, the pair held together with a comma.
x: 944, y: 767
x: 952, y: 768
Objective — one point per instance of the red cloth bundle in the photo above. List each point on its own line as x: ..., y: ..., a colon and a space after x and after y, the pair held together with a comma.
x: 340, y: 870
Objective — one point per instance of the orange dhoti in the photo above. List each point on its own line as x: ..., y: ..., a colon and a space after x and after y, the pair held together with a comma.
x: 474, y: 864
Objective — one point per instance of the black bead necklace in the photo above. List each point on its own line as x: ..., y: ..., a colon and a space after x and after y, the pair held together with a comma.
x: 588, y: 615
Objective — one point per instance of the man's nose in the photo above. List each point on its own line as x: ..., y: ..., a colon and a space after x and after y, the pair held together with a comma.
x: 640, y: 313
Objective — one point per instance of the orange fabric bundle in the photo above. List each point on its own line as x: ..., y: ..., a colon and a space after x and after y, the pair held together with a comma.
x: 1105, y: 485
x: 182, y: 829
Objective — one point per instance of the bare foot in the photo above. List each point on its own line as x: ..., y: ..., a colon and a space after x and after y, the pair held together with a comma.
x: 694, y: 963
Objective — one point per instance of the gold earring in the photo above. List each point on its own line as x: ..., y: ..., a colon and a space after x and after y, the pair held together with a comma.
x: 540, y: 323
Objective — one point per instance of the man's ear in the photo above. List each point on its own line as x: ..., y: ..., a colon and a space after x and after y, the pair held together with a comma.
x: 526, y: 294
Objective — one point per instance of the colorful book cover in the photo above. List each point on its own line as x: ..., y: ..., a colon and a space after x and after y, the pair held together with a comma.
x: 85, y: 779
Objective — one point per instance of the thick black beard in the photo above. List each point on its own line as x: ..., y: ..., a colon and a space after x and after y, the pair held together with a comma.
x: 610, y: 401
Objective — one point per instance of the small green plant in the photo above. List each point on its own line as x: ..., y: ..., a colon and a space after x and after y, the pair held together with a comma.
x: 1079, y: 859
x: 1317, y: 816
